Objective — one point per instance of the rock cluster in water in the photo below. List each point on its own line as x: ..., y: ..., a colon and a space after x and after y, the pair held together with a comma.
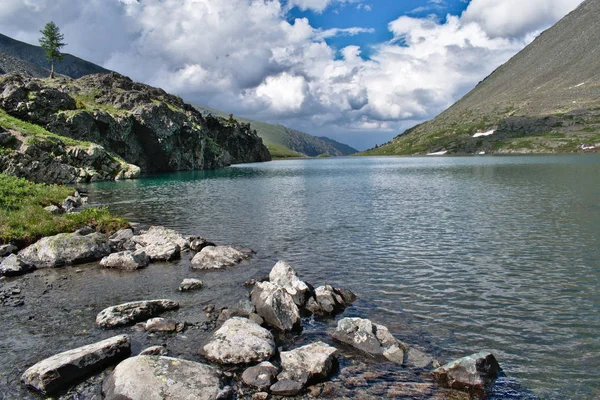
x: 248, y: 348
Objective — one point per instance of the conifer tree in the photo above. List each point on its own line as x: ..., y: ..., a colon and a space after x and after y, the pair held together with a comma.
x: 52, y: 41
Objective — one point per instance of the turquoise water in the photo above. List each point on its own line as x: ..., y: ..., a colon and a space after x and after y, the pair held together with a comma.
x: 459, y: 254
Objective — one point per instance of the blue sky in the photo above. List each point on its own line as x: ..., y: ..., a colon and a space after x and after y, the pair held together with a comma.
x: 358, y: 71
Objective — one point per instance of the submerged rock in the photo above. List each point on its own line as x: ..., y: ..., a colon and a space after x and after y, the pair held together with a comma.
x: 58, y: 371
x: 217, y: 257
x: 190, y: 284
x: 126, y: 260
x: 473, y: 372
x: 276, y: 306
x: 261, y: 376
x: 135, y: 311
x: 66, y: 249
x: 284, y: 275
x: 240, y: 341
x: 308, y: 364
x: 164, y: 378
x: 13, y: 265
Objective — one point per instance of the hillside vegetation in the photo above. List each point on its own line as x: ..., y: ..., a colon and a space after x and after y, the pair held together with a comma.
x: 545, y: 99
x: 284, y: 142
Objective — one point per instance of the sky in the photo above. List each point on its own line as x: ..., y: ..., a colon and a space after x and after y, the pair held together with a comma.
x: 357, y: 71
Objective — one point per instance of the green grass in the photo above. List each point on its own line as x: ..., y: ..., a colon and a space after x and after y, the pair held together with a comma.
x: 23, y: 219
x: 279, y: 151
x: 324, y: 155
x: 87, y: 101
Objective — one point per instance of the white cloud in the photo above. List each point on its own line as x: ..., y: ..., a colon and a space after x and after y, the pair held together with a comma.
x: 244, y: 56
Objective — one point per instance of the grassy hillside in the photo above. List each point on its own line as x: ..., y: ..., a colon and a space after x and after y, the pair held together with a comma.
x: 284, y: 142
x: 545, y: 99
x: 70, y: 65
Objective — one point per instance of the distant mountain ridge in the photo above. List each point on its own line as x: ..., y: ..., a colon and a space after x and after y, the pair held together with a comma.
x: 286, y: 142
x: 544, y: 99
x: 71, y: 66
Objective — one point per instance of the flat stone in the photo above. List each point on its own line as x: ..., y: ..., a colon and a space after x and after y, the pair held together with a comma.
x: 128, y: 313
x: 473, y: 372
x: 13, y: 265
x: 164, y: 378
x: 240, y: 341
x: 218, y: 257
x: 154, y: 351
x: 60, y: 370
x: 159, y: 235
x: 286, y: 388
x: 66, y: 249
x: 163, y: 251
x: 190, y: 284
x: 126, y: 260
x: 276, y: 306
x: 161, y: 325
x: 261, y: 376
x: 312, y: 363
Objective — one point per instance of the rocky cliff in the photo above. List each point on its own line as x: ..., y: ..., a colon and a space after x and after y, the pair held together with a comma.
x: 140, y: 124
x: 545, y: 99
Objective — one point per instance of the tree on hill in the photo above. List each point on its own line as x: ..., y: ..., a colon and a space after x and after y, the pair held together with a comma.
x: 52, y: 41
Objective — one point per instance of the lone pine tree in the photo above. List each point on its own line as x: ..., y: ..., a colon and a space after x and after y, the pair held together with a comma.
x: 52, y: 41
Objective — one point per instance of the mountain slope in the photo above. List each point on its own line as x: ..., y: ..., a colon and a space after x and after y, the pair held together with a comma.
x: 545, y: 99
x: 285, y: 142
x: 13, y: 65
x: 70, y: 65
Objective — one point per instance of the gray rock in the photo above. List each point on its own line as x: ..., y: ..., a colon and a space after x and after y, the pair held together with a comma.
x: 418, y: 359
x: 164, y: 378
x: 163, y: 251
x: 154, y: 351
x: 261, y: 376
x: 13, y: 265
x: 71, y: 203
x: 86, y: 230
x: 284, y: 275
x: 66, y: 249
x: 286, y: 388
x: 126, y: 260
x: 7, y: 249
x: 160, y: 236
x: 240, y: 341
x: 312, y: 363
x: 276, y: 306
x: 326, y: 301
x: 473, y: 372
x: 161, y: 325
x: 119, y: 238
x: 190, y: 284
x: 135, y: 311
x: 217, y: 257
x: 198, y: 243
x: 60, y: 370
x: 54, y: 210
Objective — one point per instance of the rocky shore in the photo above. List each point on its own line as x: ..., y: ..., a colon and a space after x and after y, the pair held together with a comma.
x: 254, y: 349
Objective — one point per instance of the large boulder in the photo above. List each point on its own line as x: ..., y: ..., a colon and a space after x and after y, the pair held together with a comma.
x: 284, y: 275
x: 375, y: 339
x: 276, y: 306
x: 60, y: 370
x: 312, y: 363
x: 13, y: 265
x: 164, y: 378
x: 260, y: 376
x: 240, y: 341
x: 66, y: 249
x: 163, y: 251
x: 128, y: 313
x: 159, y: 235
x: 217, y: 257
x: 473, y: 372
x: 126, y: 260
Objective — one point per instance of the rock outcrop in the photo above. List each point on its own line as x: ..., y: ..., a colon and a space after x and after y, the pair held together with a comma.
x: 57, y: 372
x: 141, y: 124
x: 240, y: 341
x: 66, y: 249
x: 164, y: 378
x: 284, y: 275
x: 473, y: 372
x: 217, y: 257
x: 128, y: 313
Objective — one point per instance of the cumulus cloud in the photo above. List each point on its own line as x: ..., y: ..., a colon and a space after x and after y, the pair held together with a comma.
x: 246, y: 57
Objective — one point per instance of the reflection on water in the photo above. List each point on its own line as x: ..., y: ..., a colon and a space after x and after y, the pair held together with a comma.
x: 458, y: 254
